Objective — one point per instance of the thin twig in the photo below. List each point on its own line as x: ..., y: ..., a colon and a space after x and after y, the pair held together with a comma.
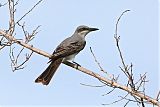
x: 28, y: 56
x: 92, y: 85
x: 157, y: 98
x: 116, y: 30
x: 109, y: 92
x: 97, y: 61
x: 117, y: 38
x: 29, y: 11
x: 99, y: 65
x: 122, y: 98
x: 1, y: 5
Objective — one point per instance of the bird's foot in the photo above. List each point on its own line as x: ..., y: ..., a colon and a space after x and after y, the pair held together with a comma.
x: 76, y: 65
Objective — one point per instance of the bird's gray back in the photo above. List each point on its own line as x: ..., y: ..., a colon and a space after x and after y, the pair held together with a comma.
x: 69, y: 46
x: 72, y: 39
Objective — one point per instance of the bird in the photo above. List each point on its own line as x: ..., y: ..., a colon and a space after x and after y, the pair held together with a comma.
x: 65, y: 51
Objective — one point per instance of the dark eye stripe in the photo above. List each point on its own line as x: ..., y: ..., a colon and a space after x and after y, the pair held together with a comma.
x: 82, y: 29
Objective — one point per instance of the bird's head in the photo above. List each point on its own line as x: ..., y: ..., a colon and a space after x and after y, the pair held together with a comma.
x: 84, y: 30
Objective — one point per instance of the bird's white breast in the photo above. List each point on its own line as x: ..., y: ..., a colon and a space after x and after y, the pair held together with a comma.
x: 70, y: 57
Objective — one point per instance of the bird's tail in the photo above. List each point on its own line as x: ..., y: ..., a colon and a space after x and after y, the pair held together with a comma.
x: 47, y: 75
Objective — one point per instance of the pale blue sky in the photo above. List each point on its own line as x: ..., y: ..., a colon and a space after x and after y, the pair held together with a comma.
x: 58, y: 19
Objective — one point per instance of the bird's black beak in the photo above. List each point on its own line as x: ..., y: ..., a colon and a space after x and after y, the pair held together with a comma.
x: 93, y: 29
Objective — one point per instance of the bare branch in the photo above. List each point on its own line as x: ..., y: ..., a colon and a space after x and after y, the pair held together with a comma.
x: 117, y: 38
x: 3, y: 43
x: 115, y: 84
x: 28, y: 37
x: 9, y: 37
x: 84, y: 70
x: 11, y: 13
x: 141, y: 81
x: 28, y: 56
x: 107, y: 82
x: 14, y: 59
x: 125, y: 68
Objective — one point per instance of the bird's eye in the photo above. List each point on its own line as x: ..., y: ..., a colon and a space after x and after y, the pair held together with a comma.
x: 82, y: 29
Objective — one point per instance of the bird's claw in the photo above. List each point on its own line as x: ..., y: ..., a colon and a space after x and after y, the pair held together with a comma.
x: 76, y: 65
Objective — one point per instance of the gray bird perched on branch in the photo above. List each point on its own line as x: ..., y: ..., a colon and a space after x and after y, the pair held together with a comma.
x: 65, y: 51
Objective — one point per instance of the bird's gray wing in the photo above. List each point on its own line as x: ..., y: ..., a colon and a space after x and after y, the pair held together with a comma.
x: 66, y: 50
